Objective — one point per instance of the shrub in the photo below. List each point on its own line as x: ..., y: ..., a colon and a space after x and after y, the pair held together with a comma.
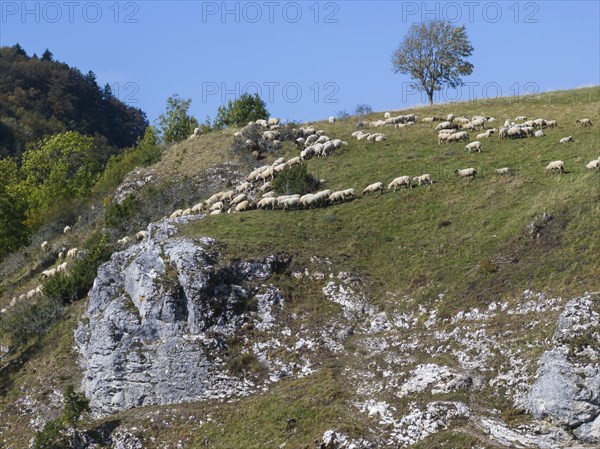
x: 295, y: 180
x: 176, y: 125
x: 29, y: 318
x: 69, y: 287
x: 116, y: 213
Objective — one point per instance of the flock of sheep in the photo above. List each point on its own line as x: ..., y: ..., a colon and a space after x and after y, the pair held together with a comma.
x: 63, y: 253
x: 256, y: 191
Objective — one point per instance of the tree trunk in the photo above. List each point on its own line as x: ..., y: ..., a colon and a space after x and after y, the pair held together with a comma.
x: 430, y: 96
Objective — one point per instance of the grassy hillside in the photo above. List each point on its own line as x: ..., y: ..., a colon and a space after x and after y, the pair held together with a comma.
x: 467, y: 240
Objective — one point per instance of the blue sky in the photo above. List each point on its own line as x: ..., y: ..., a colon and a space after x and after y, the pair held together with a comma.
x: 307, y: 59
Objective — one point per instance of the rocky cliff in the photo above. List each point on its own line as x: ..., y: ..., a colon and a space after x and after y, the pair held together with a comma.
x: 164, y: 314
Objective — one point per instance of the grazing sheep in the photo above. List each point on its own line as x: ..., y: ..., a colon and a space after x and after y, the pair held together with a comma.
x: 503, y: 171
x: 539, y: 133
x: 520, y: 118
x: 503, y: 133
x: 124, y: 241
x: 294, y: 161
x: 423, y: 179
x: 428, y: 119
x: 399, y: 182
x: 140, y: 235
x: 331, y: 120
x: 216, y: 212
x: 594, y: 165
x: 341, y: 196
x: 311, y: 139
x: 267, y: 202
x: 176, y: 214
x: 566, y: 139
x: 62, y: 268
x: 61, y: 255
x: 198, y: 207
x: 72, y: 253
x: 539, y: 123
x: 551, y: 123
x: 279, y: 161
x: 300, y: 141
x: 372, y: 188
x: 349, y: 193
x: 584, y: 122
x: 289, y: 203
x: 269, y: 195
x: 529, y: 130
x: 243, y: 187
x: 516, y: 132
x: 556, y: 165
x: 486, y: 134
x: 307, y: 200
x: 48, y: 273
x: 45, y: 246
x: 187, y: 212
x: 466, y: 172
x: 273, y: 121
x: 476, y: 145
x: 445, y: 125
x: 262, y: 123
x: 457, y: 137
x: 478, y: 123
x: 266, y: 186
x: 322, y: 139
x: 238, y: 199
x: 450, y: 118
x: 243, y: 206
x: 387, y: 115
x: 67, y: 230
x: 307, y: 153
x: 217, y: 206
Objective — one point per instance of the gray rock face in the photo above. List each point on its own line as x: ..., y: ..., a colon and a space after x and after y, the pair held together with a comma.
x: 158, y: 316
x: 567, y: 389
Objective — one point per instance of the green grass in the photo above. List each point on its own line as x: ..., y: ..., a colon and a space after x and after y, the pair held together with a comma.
x: 399, y: 241
x: 466, y: 239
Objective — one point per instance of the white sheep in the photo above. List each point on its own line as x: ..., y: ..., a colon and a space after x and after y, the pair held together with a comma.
x: 551, y: 123
x: 584, y: 122
x: 311, y: 139
x: 520, y: 118
x: 387, y: 115
x: 300, y: 141
x: 307, y: 200
x: 243, y: 187
x: 48, y: 273
x: 307, y: 153
x: 67, y: 230
x: 475, y: 145
x: 503, y: 171
x: 62, y: 268
x: 539, y: 123
x: 267, y: 202
x: 556, y: 165
x: 338, y: 143
x: 238, y: 199
x: 187, y: 212
x: 566, y: 139
x: 198, y: 207
x: 457, y: 137
x: 279, y: 161
x: 594, y: 165
x: 423, y: 179
x: 140, y: 235
x: 72, y: 253
x: 466, y: 172
x: 273, y: 121
x: 289, y: 203
x: 293, y: 161
x: 516, y: 132
x: 372, y: 188
x: 216, y: 212
x: 176, y: 214
x: 266, y: 186
x: 61, y: 255
x: 539, y: 133
x: 331, y: 120
x: 243, y: 206
x: 217, y: 206
x: 450, y: 117
x: 45, y: 246
x: 124, y: 241
x: 399, y: 182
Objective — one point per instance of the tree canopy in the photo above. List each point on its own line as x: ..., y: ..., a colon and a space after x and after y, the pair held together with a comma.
x: 176, y: 124
x: 434, y: 54
x: 241, y: 111
x: 41, y: 97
